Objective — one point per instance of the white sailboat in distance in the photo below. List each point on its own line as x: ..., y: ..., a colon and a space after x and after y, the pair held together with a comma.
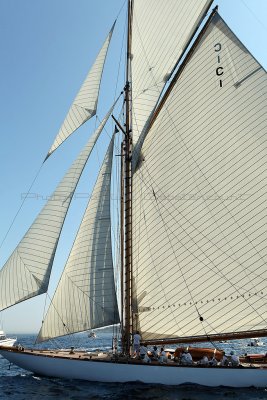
x: 6, y: 341
x: 193, y: 208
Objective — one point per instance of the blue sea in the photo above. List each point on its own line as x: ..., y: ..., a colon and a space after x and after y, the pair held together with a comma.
x: 18, y: 384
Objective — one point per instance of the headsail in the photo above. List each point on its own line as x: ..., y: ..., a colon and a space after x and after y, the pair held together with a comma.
x: 160, y: 33
x: 85, y: 103
x: 27, y: 271
x: 199, y: 205
x: 85, y: 297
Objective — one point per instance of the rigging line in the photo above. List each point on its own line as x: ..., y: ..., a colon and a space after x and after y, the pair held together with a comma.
x: 218, y: 164
x: 238, y: 318
x: 73, y: 306
x: 155, y: 85
x: 174, y: 252
x: 195, y: 139
x: 142, y: 211
x: 136, y: 233
x: 116, y: 245
x: 116, y: 146
x: 44, y: 310
x: 120, y: 10
x: 218, y: 271
x: 121, y: 53
x: 143, y: 48
x: 65, y: 325
x: 20, y: 207
x: 136, y: 262
x: 59, y: 316
x: 173, y: 217
x: 136, y: 122
x: 227, y: 242
x: 96, y: 145
x: 117, y: 185
x: 26, y: 268
x: 204, y: 198
x: 235, y: 287
x: 145, y: 54
x: 85, y: 293
x: 115, y: 210
x: 254, y: 15
x: 209, y: 184
x: 240, y: 312
x: 105, y: 129
x: 155, y: 269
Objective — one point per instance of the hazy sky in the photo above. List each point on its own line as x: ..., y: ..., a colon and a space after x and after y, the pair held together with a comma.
x: 47, y: 47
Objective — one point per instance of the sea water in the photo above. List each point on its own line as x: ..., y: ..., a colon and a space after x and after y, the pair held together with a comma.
x: 18, y: 384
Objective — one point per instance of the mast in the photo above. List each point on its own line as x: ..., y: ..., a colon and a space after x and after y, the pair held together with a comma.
x: 128, y: 192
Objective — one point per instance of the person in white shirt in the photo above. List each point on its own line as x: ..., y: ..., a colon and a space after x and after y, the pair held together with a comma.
x: 213, y: 362
x: 136, y: 343
x: 143, y: 353
x: 204, y: 360
x: 186, y: 358
x: 163, y: 356
x: 155, y: 353
x: 235, y: 362
x: 224, y: 361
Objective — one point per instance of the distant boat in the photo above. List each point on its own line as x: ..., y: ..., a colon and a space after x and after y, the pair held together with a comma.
x: 5, y: 341
x: 255, y: 342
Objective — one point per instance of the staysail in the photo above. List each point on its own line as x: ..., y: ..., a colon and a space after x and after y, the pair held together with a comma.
x: 27, y: 271
x: 85, y: 103
x: 199, y: 203
x: 160, y: 32
x: 85, y: 297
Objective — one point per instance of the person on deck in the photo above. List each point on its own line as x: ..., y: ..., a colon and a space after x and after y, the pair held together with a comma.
x: 144, y: 353
x: 136, y: 343
x: 204, y: 360
x: 213, y: 362
x: 224, y: 360
x: 163, y: 356
x: 155, y: 354
x: 186, y: 358
x: 235, y: 362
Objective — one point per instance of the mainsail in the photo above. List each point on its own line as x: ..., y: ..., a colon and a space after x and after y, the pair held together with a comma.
x: 85, y: 103
x: 85, y: 297
x: 27, y: 271
x: 160, y: 34
x: 199, y: 198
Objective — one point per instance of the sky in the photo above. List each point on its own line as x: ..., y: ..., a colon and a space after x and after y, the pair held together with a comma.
x: 47, y: 48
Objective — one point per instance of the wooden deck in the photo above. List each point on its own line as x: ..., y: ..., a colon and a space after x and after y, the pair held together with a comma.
x: 246, y: 362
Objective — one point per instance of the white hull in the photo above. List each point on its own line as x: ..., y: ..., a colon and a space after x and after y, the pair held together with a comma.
x: 107, y: 371
x: 7, y: 342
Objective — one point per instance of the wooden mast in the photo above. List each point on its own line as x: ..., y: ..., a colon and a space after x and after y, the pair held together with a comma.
x: 128, y: 193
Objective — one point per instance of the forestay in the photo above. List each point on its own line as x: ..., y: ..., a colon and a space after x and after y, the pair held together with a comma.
x: 27, y: 271
x: 85, y: 297
x: 85, y: 103
x: 160, y: 33
x: 199, y: 205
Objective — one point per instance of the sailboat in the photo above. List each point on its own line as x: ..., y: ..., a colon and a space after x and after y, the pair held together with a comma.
x: 193, y: 208
x: 6, y: 341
